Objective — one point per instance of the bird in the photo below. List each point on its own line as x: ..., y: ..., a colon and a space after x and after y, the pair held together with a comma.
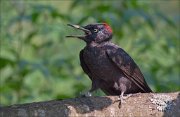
x: 109, y: 67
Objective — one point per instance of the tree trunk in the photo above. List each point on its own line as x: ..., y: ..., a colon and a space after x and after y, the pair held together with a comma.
x: 137, y: 105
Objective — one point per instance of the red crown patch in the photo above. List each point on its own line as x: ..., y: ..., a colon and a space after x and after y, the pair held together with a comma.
x: 108, y: 27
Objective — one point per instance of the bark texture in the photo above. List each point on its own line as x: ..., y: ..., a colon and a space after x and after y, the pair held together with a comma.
x: 138, y: 105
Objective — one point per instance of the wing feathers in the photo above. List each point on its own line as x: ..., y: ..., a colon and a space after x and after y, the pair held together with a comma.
x: 127, y: 65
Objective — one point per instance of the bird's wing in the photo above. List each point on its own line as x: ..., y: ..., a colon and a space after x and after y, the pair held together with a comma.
x: 128, y: 67
x: 83, y: 65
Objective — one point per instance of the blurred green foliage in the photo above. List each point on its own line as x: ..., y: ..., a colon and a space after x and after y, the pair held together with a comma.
x: 38, y: 63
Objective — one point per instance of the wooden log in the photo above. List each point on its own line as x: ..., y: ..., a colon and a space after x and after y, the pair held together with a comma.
x: 138, y: 105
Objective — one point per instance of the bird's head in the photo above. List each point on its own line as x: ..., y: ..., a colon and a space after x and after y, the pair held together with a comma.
x: 98, y: 32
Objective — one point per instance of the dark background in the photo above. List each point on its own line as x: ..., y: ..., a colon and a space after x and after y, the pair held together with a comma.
x: 38, y: 63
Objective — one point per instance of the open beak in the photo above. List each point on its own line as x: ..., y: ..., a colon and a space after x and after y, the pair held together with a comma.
x: 86, y: 31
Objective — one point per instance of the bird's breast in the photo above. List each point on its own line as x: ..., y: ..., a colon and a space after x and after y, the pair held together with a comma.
x: 99, y: 63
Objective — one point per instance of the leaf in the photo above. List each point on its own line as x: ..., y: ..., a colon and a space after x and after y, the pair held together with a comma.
x: 166, y: 19
x: 34, y: 16
x: 5, y: 61
x: 30, y: 36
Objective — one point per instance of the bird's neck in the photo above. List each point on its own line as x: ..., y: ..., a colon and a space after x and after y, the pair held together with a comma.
x: 93, y: 43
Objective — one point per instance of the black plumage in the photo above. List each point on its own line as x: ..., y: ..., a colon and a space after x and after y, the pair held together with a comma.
x: 108, y: 66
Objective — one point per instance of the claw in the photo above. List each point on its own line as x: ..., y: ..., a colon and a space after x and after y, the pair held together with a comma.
x: 122, y: 99
x: 87, y: 94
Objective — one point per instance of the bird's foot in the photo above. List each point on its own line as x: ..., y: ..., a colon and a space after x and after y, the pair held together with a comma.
x: 122, y: 99
x: 86, y: 94
x: 126, y: 97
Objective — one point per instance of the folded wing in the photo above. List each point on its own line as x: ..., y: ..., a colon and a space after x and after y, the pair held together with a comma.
x: 128, y: 67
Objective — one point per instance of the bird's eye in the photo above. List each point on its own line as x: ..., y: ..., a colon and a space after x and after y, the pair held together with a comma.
x: 95, y: 30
